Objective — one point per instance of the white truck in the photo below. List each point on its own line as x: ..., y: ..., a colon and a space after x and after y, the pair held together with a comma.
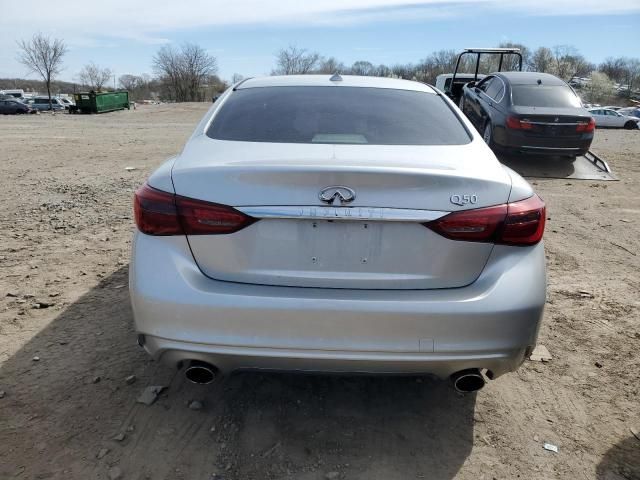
x: 16, y: 92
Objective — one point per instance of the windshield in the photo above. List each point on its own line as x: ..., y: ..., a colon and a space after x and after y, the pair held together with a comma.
x: 348, y: 115
x: 544, y: 96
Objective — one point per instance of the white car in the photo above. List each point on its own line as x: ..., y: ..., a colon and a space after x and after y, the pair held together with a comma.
x: 67, y: 102
x: 606, y: 117
x: 343, y: 224
x: 630, y: 111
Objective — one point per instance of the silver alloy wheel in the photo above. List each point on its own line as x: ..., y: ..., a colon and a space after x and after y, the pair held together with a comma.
x: 486, y: 136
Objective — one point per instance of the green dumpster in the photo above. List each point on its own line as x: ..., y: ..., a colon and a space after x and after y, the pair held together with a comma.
x: 100, y: 102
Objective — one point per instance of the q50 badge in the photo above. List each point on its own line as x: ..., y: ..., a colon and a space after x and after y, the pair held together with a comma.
x: 462, y: 200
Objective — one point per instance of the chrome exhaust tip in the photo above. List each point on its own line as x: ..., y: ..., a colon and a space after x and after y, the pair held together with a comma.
x: 466, y: 381
x: 200, y: 372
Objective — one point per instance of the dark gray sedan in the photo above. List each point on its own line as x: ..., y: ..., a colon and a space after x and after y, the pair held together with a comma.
x: 528, y: 112
x: 12, y: 107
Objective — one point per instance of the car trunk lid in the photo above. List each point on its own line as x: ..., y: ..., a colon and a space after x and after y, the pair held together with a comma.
x: 377, y: 240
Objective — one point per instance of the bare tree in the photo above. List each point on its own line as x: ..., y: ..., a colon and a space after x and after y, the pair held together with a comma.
x: 330, y: 66
x: 442, y: 61
x: 198, y: 68
x: 94, y: 77
x: 140, y: 87
x: 632, y: 75
x: 363, y: 68
x: 541, y: 60
x: 404, y: 71
x: 510, y: 62
x: 42, y: 55
x: 186, y: 71
x: 383, y: 71
x: 614, y: 68
x: 295, y: 61
x: 236, y: 77
x: 130, y: 82
x: 568, y: 63
x: 625, y: 71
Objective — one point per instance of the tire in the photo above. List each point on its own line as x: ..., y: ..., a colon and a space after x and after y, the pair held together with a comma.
x: 487, y: 134
x: 631, y: 125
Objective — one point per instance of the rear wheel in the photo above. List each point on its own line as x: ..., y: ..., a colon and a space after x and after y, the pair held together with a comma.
x: 487, y: 134
x: 631, y: 125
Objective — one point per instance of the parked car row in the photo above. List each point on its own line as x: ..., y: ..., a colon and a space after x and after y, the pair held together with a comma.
x: 10, y: 104
x: 609, y: 118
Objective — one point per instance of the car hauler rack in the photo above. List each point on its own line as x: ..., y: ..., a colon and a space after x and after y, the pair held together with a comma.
x: 585, y: 167
x: 455, y: 88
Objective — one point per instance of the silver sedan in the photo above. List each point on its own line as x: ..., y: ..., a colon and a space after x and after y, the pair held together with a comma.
x: 338, y: 224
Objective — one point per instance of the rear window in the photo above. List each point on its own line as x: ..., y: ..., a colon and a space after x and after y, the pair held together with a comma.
x: 544, y: 96
x: 347, y: 115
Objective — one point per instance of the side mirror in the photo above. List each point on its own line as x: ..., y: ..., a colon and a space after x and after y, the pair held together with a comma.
x: 471, y: 84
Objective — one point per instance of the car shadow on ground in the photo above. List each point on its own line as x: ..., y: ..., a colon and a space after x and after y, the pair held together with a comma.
x: 622, y: 461
x: 65, y: 413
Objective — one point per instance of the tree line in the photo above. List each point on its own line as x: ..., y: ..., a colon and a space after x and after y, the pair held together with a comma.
x: 189, y: 72
x: 183, y: 74
x: 563, y: 61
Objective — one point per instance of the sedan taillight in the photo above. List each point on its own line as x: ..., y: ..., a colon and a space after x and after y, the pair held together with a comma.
x: 518, y: 223
x: 586, y: 127
x: 515, y: 123
x: 162, y: 213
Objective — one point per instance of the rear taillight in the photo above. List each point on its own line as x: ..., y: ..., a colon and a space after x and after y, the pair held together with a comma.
x: 516, y: 124
x: 155, y: 212
x: 162, y: 213
x: 478, y: 225
x: 525, y: 221
x: 519, y: 223
x: 204, y: 218
x: 586, y: 127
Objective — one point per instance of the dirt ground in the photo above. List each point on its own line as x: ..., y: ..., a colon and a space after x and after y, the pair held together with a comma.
x: 67, y: 343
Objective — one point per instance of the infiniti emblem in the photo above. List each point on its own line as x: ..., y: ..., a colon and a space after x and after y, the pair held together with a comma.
x: 331, y: 194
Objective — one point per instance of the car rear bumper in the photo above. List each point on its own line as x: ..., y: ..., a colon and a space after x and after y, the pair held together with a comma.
x: 519, y: 141
x: 185, y: 315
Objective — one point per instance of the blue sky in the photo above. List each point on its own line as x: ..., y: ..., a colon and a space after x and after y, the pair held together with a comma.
x: 245, y: 35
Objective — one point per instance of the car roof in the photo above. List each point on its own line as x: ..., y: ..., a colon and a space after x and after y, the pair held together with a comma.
x: 462, y: 75
x: 530, y: 78
x: 325, y: 81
